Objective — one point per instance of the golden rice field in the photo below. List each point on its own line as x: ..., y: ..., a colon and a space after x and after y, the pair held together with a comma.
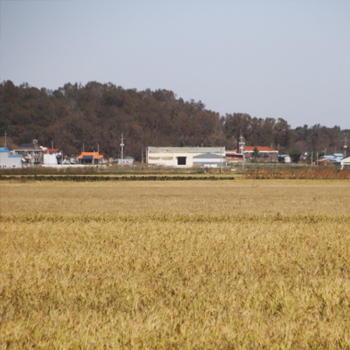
x: 242, y: 264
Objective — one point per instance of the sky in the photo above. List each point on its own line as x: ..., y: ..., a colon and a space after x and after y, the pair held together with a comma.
x: 285, y: 59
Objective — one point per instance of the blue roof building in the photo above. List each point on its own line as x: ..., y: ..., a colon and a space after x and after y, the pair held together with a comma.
x: 334, y: 158
x: 10, y: 161
x: 338, y: 157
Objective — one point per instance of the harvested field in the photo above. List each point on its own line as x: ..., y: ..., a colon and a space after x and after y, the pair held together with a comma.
x: 266, y: 197
x: 175, y: 265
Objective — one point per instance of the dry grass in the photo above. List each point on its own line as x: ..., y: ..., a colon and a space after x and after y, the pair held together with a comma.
x: 171, y: 265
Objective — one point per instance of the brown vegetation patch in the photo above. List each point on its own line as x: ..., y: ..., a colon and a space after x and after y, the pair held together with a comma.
x: 285, y: 173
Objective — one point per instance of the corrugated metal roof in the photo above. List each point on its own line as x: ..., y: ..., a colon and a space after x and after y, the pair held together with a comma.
x: 209, y: 156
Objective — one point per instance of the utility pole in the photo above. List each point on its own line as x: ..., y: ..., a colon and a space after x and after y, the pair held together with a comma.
x: 221, y: 159
x: 221, y: 150
x: 345, y: 145
x: 122, y: 147
x: 5, y: 139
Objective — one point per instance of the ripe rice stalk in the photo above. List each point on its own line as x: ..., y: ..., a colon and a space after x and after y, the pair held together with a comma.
x: 175, y: 265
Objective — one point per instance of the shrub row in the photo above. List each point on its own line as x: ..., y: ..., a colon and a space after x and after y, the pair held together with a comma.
x: 82, y: 178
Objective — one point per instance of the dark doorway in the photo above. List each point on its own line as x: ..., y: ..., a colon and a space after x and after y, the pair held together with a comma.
x: 181, y: 160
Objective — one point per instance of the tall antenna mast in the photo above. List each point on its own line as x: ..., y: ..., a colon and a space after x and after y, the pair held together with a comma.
x: 122, y: 147
x: 242, y: 148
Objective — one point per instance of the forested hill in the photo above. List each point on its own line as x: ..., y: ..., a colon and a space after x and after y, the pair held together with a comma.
x: 96, y: 114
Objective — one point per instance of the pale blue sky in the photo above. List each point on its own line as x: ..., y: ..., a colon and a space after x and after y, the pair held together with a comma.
x: 270, y: 58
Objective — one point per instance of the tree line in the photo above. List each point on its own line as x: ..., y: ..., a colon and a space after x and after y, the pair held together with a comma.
x: 93, y: 116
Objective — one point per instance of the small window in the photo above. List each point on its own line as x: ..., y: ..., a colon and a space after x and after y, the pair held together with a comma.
x: 181, y: 160
x: 14, y: 166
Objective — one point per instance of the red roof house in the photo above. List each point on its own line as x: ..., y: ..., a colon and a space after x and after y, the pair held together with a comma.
x: 90, y: 158
x: 266, y: 153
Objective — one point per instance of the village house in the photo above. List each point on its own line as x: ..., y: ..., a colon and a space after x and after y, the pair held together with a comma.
x: 244, y: 153
x: 9, y: 160
x: 332, y: 159
x: 90, y: 158
x: 233, y: 157
x: 32, y: 154
x: 345, y: 163
x: 51, y: 156
x: 265, y: 152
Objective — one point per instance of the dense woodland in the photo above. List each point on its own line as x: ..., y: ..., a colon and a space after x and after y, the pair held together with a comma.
x: 95, y: 115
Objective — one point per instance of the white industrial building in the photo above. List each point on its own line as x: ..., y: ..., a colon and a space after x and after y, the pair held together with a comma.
x: 10, y: 161
x: 187, y: 157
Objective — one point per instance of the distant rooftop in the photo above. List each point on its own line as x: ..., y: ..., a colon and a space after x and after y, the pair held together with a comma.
x: 90, y: 155
x: 26, y: 145
x: 187, y: 149
x: 4, y: 149
x: 51, y: 150
x: 260, y: 149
